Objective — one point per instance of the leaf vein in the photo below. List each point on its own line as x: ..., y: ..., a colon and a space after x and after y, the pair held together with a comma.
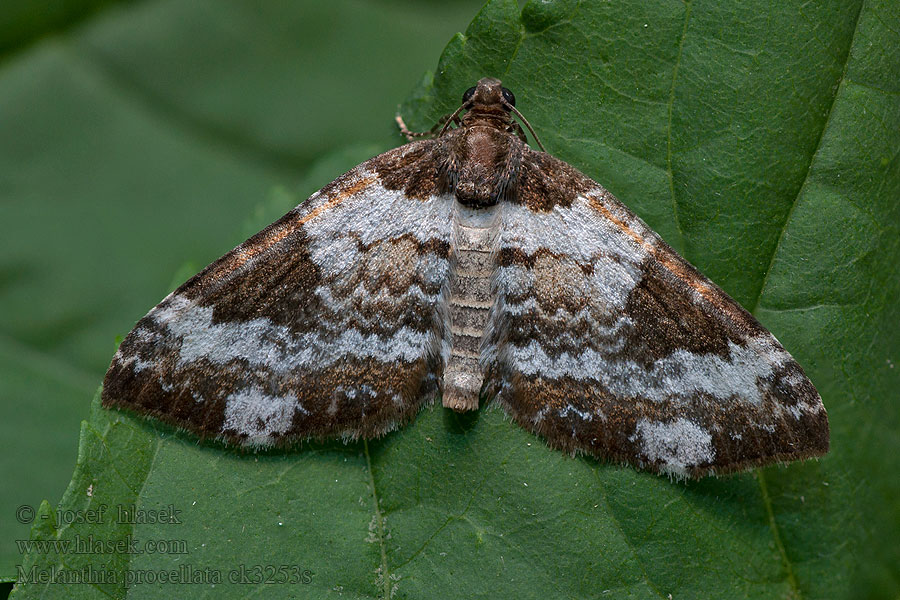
x: 379, y: 525
x: 670, y: 109
x: 618, y: 525
x: 767, y: 501
x: 812, y: 160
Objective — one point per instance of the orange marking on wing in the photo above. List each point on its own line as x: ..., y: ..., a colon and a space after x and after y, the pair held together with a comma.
x: 338, y: 198
x: 671, y: 262
x: 685, y: 275
x: 285, y: 229
x: 620, y: 224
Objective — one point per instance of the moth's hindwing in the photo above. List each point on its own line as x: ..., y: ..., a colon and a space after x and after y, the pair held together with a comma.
x: 327, y: 323
x: 607, y: 342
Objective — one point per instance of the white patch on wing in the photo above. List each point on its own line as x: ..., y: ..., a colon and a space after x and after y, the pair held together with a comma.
x: 578, y: 231
x: 260, y: 416
x: 263, y: 343
x: 134, y: 361
x: 539, y: 415
x: 374, y: 214
x: 582, y: 414
x: 795, y: 381
x: 433, y: 269
x: 676, y: 446
x: 681, y: 374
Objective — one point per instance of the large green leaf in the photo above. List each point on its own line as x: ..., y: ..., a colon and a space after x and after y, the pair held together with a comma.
x: 762, y: 142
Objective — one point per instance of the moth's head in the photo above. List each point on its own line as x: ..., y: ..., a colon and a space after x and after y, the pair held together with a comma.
x: 489, y: 93
x: 489, y: 102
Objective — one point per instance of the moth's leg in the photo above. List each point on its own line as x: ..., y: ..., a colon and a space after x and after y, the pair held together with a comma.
x: 508, y: 178
x: 411, y: 135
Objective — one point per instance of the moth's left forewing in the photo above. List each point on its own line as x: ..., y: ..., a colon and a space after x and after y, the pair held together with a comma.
x: 327, y: 323
x: 605, y: 341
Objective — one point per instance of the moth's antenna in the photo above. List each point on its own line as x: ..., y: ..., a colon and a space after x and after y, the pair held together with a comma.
x: 527, y: 124
x: 464, y: 105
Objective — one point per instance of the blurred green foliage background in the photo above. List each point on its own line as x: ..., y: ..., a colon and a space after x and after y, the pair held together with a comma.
x: 136, y: 136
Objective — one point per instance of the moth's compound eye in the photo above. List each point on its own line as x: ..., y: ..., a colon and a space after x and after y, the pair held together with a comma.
x: 468, y: 94
x: 509, y: 97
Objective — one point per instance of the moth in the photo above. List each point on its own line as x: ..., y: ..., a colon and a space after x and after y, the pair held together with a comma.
x: 470, y: 267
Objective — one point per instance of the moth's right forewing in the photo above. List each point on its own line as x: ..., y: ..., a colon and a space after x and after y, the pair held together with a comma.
x: 606, y: 341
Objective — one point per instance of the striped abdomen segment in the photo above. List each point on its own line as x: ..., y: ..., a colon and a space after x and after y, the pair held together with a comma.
x: 470, y: 302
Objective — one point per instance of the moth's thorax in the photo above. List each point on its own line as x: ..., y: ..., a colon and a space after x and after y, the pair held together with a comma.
x: 494, y: 117
x: 480, y: 163
x: 483, y: 155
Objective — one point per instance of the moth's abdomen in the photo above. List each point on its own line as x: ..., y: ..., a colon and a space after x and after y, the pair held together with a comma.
x: 475, y: 233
